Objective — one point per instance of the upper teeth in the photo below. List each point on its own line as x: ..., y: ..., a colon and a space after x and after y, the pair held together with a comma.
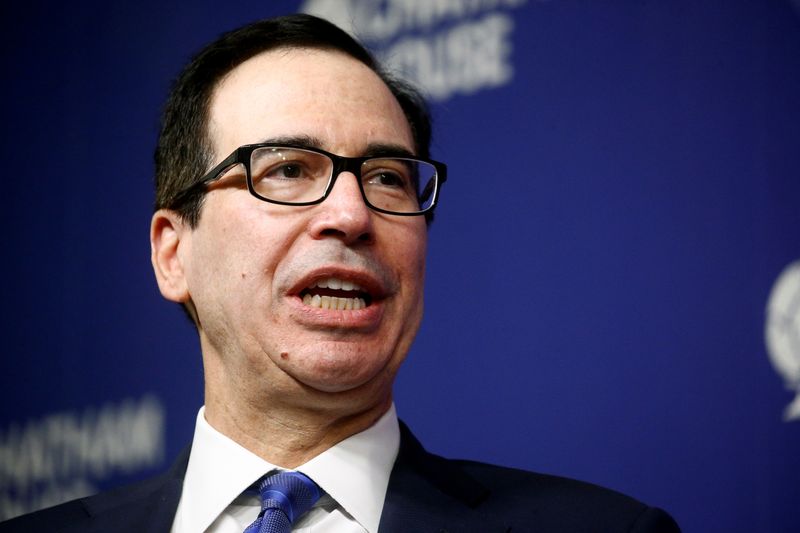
x: 354, y: 302
x: 336, y: 283
x: 332, y: 302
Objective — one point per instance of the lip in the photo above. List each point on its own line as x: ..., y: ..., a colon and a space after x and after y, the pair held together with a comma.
x: 364, y: 319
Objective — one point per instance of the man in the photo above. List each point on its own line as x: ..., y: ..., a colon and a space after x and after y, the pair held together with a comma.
x: 294, y: 191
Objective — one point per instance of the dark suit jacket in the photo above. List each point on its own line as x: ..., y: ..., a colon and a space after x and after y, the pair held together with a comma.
x: 426, y: 493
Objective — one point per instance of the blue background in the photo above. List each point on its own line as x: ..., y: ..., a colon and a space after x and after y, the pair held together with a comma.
x: 598, y: 271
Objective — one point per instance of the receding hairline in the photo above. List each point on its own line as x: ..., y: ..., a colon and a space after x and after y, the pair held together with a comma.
x: 289, y: 49
x: 285, y: 51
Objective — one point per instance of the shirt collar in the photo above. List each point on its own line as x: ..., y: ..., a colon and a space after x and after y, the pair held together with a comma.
x: 355, y: 472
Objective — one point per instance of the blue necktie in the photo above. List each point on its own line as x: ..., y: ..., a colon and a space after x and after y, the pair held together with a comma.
x: 284, y: 497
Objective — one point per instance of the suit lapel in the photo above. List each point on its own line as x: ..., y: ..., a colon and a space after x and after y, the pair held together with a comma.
x: 149, y: 506
x: 427, y: 493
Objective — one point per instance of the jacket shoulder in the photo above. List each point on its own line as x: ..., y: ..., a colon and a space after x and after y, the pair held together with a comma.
x: 508, y: 499
x: 148, y: 505
x: 561, y: 504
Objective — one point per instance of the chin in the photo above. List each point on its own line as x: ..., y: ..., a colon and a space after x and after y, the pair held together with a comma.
x: 342, y: 373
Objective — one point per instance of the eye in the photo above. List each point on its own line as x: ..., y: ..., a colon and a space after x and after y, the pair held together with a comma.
x: 389, y: 174
x: 285, y: 164
x: 387, y: 178
x: 289, y: 170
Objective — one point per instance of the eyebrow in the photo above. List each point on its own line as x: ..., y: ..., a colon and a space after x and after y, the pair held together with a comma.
x: 372, y: 149
x: 387, y: 150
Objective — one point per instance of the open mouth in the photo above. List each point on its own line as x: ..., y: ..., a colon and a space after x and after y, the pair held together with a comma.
x: 336, y: 294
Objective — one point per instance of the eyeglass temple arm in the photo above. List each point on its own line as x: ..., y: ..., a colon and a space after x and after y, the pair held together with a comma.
x: 212, y: 175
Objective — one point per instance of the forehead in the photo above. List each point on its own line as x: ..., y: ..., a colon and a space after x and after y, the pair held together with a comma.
x: 322, y: 94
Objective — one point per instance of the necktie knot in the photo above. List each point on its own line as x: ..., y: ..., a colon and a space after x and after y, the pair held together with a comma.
x: 285, y: 496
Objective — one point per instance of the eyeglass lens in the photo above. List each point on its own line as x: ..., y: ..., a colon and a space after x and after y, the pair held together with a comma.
x: 295, y: 175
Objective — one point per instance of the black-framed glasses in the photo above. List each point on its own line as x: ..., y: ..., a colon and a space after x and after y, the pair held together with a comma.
x: 290, y: 175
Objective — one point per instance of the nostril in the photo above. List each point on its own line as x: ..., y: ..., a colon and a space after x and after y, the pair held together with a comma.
x: 332, y: 232
x: 363, y: 237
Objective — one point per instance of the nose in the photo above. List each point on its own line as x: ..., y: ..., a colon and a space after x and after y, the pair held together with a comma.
x: 343, y: 214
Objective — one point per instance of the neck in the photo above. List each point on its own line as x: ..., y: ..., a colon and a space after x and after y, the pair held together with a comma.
x: 289, y: 436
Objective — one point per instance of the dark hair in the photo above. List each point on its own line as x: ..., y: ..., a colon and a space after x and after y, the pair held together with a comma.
x: 184, y: 150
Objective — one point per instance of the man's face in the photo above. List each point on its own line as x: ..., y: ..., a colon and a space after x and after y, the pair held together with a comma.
x: 249, y: 264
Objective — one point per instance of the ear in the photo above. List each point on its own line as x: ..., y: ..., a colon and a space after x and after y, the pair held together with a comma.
x: 169, y: 235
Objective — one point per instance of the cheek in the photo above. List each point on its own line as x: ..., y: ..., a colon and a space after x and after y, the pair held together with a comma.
x: 227, y: 257
x: 417, y: 246
x: 250, y: 240
x: 408, y: 250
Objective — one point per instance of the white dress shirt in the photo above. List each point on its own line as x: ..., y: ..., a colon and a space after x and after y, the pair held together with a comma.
x: 354, y: 475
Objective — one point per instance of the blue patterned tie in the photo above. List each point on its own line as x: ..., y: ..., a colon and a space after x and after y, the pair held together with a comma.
x: 284, y: 497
